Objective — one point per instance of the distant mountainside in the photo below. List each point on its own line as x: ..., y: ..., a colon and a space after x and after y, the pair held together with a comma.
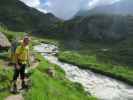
x: 123, y: 7
x: 17, y: 16
x: 97, y: 27
x: 103, y: 23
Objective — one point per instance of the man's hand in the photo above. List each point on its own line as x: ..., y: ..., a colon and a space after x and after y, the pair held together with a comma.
x: 28, y: 63
x: 17, y: 66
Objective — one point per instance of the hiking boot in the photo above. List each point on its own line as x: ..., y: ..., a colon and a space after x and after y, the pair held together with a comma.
x: 14, y: 89
x: 24, y: 86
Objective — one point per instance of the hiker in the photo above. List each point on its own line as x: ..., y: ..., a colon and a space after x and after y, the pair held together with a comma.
x: 21, y: 60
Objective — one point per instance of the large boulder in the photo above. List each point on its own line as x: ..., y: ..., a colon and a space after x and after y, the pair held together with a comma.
x: 4, y: 42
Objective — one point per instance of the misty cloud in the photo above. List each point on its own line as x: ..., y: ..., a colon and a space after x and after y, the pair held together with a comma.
x: 31, y: 3
x: 66, y: 9
x: 36, y: 4
x: 95, y: 3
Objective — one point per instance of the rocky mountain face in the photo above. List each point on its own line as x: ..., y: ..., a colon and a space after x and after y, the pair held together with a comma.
x: 15, y: 15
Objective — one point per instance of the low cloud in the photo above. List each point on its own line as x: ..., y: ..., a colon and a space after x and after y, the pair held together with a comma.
x: 66, y: 9
x: 95, y: 3
x: 31, y: 3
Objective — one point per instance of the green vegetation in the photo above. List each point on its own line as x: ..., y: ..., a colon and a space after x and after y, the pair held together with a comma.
x: 120, y: 53
x: 57, y: 88
x: 91, y: 62
x: 102, y: 43
x: 16, y: 16
x: 114, y: 60
x: 102, y: 28
x: 5, y: 77
x: 10, y: 34
x: 43, y: 85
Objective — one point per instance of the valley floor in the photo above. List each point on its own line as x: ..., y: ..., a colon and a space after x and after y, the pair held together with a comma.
x: 44, y: 87
x: 87, y: 58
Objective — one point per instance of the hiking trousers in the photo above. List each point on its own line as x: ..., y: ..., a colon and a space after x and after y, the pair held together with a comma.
x: 20, y: 72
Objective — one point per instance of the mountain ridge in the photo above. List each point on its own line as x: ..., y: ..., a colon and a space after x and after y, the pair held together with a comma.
x: 15, y: 15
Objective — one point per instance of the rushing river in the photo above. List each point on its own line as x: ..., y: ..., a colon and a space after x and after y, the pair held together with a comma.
x: 101, y: 86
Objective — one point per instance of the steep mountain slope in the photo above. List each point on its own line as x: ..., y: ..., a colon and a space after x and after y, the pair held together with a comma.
x: 17, y: 16
x: 100, y: 32
x: 98, y: 27
x: 123, y: 7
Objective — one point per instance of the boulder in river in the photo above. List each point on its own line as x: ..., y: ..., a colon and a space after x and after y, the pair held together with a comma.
x: 4, y: 42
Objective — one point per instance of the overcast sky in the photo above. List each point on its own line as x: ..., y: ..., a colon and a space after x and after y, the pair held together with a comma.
x: 66, y: 9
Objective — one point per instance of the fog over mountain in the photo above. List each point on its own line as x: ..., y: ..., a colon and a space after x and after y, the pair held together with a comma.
x: 67, y: 9
x: 123, y: 7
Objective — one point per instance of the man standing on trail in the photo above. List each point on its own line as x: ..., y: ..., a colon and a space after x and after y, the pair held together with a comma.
x: 22, y: 59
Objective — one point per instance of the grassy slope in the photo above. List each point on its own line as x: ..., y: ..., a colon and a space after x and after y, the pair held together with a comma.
x: 5, y: 77
x: 5, y: 83
x: 43, y: 86
x: 58, y: 88
x: 90, y: 62
x: 5, y: 74
x: 17, y: 16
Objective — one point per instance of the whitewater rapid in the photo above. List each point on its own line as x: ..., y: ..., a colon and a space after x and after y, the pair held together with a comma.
x: 103, y: 87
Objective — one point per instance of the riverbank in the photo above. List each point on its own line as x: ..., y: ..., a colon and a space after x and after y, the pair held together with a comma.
x: 93, y: 83
x: 89, y: 60
x: 75, y: 91
x: 44, y: 87
x: 122, y: 73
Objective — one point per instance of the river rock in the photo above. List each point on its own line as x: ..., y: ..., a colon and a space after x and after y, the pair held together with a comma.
x: 4, y: 42
x: 51, y: 72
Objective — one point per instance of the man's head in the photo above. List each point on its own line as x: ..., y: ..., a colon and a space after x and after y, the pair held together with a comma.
x: 26, y: 40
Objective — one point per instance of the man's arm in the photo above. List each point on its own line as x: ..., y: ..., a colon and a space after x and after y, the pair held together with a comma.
x: 28, y: 61
x: 16, y: 58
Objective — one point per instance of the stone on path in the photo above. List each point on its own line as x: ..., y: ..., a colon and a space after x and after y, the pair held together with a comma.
x: 15, y: 97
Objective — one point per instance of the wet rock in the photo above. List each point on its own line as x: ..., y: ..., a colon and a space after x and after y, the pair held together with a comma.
x: 15, y: 97
x: 4, y: 42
